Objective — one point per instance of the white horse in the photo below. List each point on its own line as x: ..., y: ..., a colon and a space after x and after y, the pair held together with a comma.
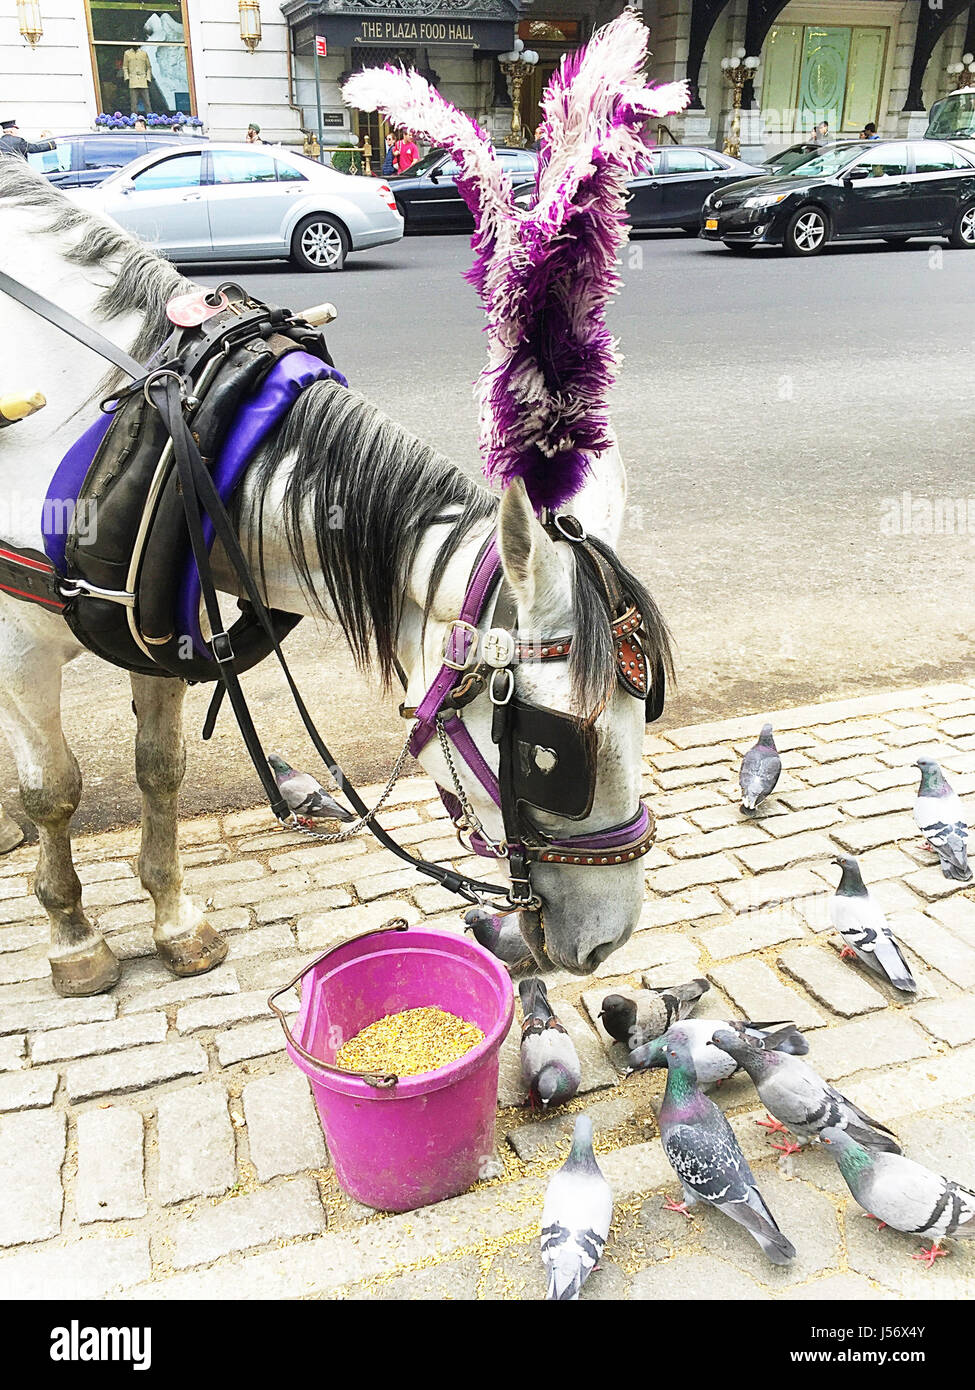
x: 393, y: 576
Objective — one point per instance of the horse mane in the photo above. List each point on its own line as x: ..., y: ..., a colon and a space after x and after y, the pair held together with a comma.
x: 142, y: 281
x: 369, y: 490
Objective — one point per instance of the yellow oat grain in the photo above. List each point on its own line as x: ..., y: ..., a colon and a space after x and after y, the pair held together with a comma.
x: 408, y: 1043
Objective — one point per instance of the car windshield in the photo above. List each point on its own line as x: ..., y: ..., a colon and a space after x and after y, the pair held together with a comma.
x: 825, y: 164
x: 952, y: 117
x: 424, y: 165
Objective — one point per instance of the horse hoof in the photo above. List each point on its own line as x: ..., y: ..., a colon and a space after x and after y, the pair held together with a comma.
x: 195, y: 953
x: 90, y: 971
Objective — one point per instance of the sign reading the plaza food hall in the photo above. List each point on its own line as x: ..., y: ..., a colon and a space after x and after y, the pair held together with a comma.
x: 409, y: 27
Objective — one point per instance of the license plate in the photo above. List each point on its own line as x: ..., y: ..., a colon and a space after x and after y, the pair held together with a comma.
x: 711, y: 225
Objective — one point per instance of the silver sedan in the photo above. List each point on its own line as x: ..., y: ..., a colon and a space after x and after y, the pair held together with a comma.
x: 238, y: 202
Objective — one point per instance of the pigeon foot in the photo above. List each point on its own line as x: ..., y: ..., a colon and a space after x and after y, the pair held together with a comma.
x: 848, y: 953
x: 671, y: 1205
x: 881, y: 1225
x: 788, y: 1147
x: 773, y: 1126
x: 928, y: 1257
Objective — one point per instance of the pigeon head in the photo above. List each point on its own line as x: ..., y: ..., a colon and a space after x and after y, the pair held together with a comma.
x: 765, y: 738
x: 581, y: 1154
x: 851, y: 884
x: 651, y: 1054
x: 851, y: 1156
x: 553, y: 1085
x: 678, y: 1050
x: 618, y: 1015
x: 932, y: 779
x: 279, y: 764
x: 754, y: 1059
x: 483, y: 924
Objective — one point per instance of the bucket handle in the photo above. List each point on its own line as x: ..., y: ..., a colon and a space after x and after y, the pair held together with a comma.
x: 376, y: 1079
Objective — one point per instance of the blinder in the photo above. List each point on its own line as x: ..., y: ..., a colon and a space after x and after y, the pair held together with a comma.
x: 553, y: 759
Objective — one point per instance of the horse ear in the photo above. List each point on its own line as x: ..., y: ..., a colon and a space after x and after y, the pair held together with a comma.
x: 530, y: 559
x: 601, y: 501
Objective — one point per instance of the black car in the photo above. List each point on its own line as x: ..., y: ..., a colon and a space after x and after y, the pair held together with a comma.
x: 678, y: 179
x: 81, y: 161
x: 427, y: 195
x: 887, y: 190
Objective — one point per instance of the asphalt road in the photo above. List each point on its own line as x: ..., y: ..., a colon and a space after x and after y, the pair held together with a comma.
x: 768, y: 409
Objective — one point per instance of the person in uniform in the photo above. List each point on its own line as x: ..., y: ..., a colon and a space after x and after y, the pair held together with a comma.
x: 13, y: 143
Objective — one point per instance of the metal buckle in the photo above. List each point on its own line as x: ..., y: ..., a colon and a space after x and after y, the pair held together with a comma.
x: 76, y: 588
x: 578, y: 531
x: 157, y: 376
x: 221, y: 647
x: 448, y: 645
x: 501, y: 699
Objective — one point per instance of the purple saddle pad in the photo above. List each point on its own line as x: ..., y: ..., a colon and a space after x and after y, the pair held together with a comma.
x: 62, y: 493
x: 279, y: 390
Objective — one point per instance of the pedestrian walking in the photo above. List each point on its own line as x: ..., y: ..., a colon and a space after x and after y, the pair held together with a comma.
x: 253, y: 136
x: 405, y: 153
x: 12, y: 142
x: 389, y: 165
x: 869, y: 132
x: 820, y: 135
x: 140, y: 123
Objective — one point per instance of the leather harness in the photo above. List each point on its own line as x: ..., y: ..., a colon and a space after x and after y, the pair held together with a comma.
x: 168, y: 423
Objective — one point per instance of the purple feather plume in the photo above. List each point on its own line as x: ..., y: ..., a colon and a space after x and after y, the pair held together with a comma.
x: 546, y: 274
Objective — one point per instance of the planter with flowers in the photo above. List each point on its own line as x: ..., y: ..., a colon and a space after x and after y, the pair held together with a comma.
x: 116, y: 121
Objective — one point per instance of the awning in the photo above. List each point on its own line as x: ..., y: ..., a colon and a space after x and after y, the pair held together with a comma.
x: 467, y: 24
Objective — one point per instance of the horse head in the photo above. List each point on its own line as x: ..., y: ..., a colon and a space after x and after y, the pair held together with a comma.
x: 586, y: 901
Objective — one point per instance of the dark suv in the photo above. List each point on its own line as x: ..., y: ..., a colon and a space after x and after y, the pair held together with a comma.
x: 80, y: 161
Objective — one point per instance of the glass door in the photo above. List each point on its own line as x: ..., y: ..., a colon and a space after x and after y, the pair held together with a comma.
x: 822, y: 81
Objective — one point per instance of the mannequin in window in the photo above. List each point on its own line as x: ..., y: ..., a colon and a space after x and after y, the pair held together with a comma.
x: 137, y: 71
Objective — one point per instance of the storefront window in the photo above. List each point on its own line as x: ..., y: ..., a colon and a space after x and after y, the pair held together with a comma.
x: 141, y: 58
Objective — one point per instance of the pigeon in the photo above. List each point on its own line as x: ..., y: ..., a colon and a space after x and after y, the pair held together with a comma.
x: 705, y: 1155
x: 799, y: 1099
x: 941, y: 820
x: 760, y: 768
x: 549, y: 1061
x: 639, y: 1021
x: 575, y: 1217
x: 860, y: 921
x: 901, y: 1193
x: 303, y: 795
x: 711, y: 1064
x: 500, y: 934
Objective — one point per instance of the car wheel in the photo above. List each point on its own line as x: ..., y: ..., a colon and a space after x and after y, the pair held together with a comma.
x: 740, y: 248
x: 896, y: 241
x: 807, y: 233
x: 319, y: 243
x: 963, y: 232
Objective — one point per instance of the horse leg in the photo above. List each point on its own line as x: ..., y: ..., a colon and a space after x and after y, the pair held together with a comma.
x: 50, y: 789
x: 185, y: 941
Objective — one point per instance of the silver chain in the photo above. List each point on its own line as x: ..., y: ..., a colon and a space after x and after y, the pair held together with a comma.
x: 473, y: 822
x: 362, y: 821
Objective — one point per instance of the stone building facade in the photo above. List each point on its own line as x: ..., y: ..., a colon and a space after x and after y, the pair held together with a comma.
x: 848, y: 61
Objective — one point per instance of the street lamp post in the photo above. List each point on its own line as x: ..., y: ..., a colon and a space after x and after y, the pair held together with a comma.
x: 516, y: 66
x: 738, y: 70
x: 963, y: 72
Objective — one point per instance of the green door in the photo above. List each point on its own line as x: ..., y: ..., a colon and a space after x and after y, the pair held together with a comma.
x: 822, y: 84
x: 781, y: 62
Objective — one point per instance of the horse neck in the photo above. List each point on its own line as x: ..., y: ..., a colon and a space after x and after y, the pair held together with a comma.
x: 36, y: 356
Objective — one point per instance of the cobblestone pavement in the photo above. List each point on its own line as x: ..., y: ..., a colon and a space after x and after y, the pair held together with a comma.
x: 156, y: 1142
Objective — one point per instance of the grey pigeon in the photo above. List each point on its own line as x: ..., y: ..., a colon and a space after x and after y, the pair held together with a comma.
x: 500, y: 934
x: 705, y: 1155
x: 711, y: 1064
x: 860, y: 921
x: 760, y: 770
x: 549, y: 1061
x: 305, y: 796
x: 635, y: 1022
x: 799, y: 1099
x: 576, y: 1217
x: 904, y: 1194
x: 939, y: 816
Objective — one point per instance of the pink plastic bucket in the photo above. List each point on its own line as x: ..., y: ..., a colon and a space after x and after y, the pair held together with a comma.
x: 426, y: 1137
